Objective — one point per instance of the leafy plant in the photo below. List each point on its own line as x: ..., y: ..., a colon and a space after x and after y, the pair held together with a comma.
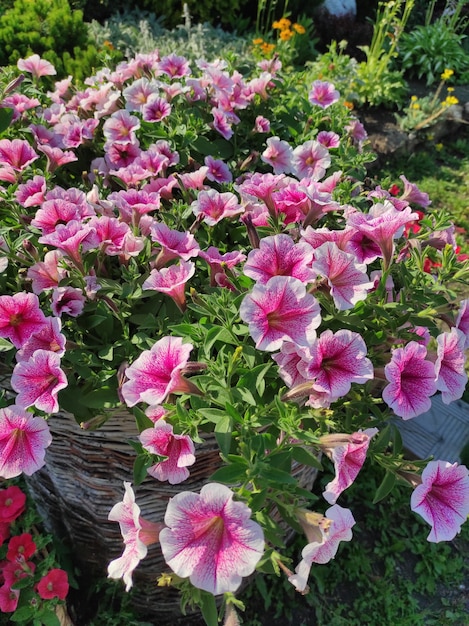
x: 430, y: 48
x: 50, y: 29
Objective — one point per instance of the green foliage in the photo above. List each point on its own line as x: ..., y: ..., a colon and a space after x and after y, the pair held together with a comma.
x: 428, y: 50
x: 136, y: 31
x: 52, y: 30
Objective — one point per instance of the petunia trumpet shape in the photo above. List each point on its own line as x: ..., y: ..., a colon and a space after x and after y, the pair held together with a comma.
x: 325, y: 550
x: 157, y: 372
x: 137, y: 533
x: 348, y: 456
x: 411, y: 381
x: 281, y: 310
x: 442, y: 499
x: 20, y: 317
x: 23, y: 442
x: 450, y: 365
x: 211, y: 539
x: 179, y: 450
x: 38, y: 381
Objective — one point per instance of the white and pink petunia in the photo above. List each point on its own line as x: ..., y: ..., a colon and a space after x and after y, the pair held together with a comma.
x: 324, y: 550
x: 157, y: 372
x: 171, y: 281
x: 36, y: 66
x: 20, y: 317
x: 323, y: 94
x: 179, y: 450
x: 310, y: 160
x: 442, y: 499
x: 348, y: 454
x: 411, y: 381
x: 451, y: 377
x: 211, y: 539
x: 23, y: 442
x: 279, y: 255
x: 336, y: 361
x: 347, y: 280
x: 281, y: 310
x: 212, y: 206
x: 38, y: 381
x: 137, y: 533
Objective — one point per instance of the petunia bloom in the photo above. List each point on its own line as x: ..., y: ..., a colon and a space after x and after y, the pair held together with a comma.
x: 348, y: 458
x: 451, y: 377
x: 53, y: 585
x: 411, y: 381
x: 38, y: 381
x: 179, y: 450
x: 281, y: 310
x: 323, y: 94
x: 20, y: 317
x: 442, y: 499
x: 213, y: 206
x: 325, y: 550
x: 137, y: 533
x: 36, y: 66
x: 23, y: 442
x: 12, y: 503
x: 211, y: 539
x: 157, y: 372
x: 171, y: 281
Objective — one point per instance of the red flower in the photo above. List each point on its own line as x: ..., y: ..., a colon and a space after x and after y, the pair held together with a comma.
x: 21, y: 547
x: 13, y: 572
x: 8, y: 599
x: 12, y: 503
x: 53, y: 585
x: 394, y: 190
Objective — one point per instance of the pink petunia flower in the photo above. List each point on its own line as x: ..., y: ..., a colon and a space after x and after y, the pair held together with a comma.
x: 32, y: 192
x: 323, y: 94
x: 155, y: 109
x: 172, y: 281
x: 348, y: 454
x: 261, y: 124
x: 336, y: 361
x: 411, y: 381
x: 462, y: 320
x: 36, y: 66
x: 219, y: 262
x: 382, y: 224
x: 325, y: 550
x: 47, y: 274
x: 451, y: 377
x: 289, y: 361
x: 16, y: 153
x: 218, y: 170
x: 20, y: 317
x: 211, y: 539
x: 311, y: 160
x: 9, y: 599
x: 23, y: 442
x: 328, y: 139
x: 281, y: 310
x: 137, y: 533
x: 174, y: 244
x: 67, y: 300
x: 413, y: 194
x: 120, y: 127
x: 347, y: 279
x: 157, y: 372
x: 71, y: 239
x: 442, y: 499
x: 38, y: 381
x: 279, y: 155
x: 179, y: 450
x: 21, y: 548
x: 279, y: 255
x: 53, y: 585
x: 212, y: 206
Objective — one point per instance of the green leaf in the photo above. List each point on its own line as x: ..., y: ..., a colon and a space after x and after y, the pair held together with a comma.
x: 275, y: 475
x: 22, y: 614
x: 6, y: 115
x: 208, y: 607
x: 48, y: 618
x: 305, y: 457
x: 386, y: 486
x: 223, y: 434
x: 229, y: 474
x: 143, y: 421
x: 141, y: 464
x: 5, y: 345
x: 101, y: 398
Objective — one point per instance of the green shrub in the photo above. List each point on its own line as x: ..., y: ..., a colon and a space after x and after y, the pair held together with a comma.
x: 51, y: 29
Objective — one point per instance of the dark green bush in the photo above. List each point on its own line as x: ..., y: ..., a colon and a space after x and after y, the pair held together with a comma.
x: 51, y: 29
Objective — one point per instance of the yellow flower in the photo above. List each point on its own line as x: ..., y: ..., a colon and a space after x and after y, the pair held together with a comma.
x: 439, y: 147
x: 348, y: 105
x: 258, y: 41
x: 285, y: 35
x: 449, y: 89
x: 414, y: 98
x: 447, y: 74
x: 299, y: 28
x: 267, y: 48
x: 415, y: 106
x: 450, y: 100
x: 276, y: 25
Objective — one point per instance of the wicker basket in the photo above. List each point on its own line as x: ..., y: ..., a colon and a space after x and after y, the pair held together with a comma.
x: 83, y: 479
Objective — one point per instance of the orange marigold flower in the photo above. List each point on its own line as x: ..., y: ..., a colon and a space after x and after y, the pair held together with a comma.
x: 299, y: 28
x: 258, y: 41
x: 348, y: 105
x: 285, y: 35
